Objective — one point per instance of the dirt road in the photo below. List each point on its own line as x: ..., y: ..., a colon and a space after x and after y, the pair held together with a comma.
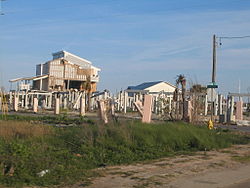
x: 224, y: 168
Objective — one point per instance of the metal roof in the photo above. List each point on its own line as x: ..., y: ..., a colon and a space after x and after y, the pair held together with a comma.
x: 144, y: 85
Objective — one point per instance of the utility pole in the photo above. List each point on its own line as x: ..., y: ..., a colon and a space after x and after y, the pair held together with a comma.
x: 213, y: 77
x: 213, y: 85
x: 214, y: 60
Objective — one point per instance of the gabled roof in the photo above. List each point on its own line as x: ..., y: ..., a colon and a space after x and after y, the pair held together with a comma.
x: 144, y: 85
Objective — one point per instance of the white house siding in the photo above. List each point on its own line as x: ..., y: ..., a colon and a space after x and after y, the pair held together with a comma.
x: 77, y: 61
x: 56, y: 69
x: 161, y: 87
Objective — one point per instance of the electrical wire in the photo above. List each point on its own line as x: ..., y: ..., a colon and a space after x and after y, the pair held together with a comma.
x: 237, y: 37
x: 234, y: 37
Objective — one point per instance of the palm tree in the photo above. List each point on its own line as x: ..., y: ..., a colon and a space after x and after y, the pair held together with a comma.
x: 182, y: 80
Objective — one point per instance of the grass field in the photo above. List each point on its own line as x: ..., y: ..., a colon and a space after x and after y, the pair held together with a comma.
x: 34, y: 153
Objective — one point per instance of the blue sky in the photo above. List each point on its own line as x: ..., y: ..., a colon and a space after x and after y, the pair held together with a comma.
x: 132, y: 41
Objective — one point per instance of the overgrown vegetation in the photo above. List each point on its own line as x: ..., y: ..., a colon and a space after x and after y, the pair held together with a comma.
x: 48, y: 119
x: 14, y: 129
x: 64, y: 155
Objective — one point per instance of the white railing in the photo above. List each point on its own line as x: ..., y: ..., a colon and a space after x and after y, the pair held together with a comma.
x: 24, y: 86
x: 95, y: 78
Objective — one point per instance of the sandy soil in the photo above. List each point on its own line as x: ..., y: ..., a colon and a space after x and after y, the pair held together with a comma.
x: 223, y: 168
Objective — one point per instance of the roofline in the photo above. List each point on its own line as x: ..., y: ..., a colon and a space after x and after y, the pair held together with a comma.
x: 171, y: 84
x: 87, y: 61
x: 98, y: 69
x: 137, y: 91
x: 30, y: 78
x: 161, y: 82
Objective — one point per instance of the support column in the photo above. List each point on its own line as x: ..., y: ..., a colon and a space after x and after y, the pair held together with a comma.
x: 125, y: 101
x: 49, y: 101
x: 133, y: 101
x: 239, y: 110
x: 69, y: 96
x: 35, y: 104
x: 43, y: 104
x: 26, y: 104
x: 102, y: 111
x: 77, y: 101
x: 216, y: 105
x: 11, y: 99
x: 140, y: 96
x: 57, y: 106
x: 68, y: 85
x: 32, y: 99
x: 82, y: 105
x: 105, y: 95
x: 188, y: 111
x: 46, y: 101
x: 119, y: 101
x: 206, y: 105
x: 73, y: 97
x: 16, y: 101
x: 156, y: 105
x: 220, y: 105
x: 232, y: 108
x: 170, y: 103
x: 22, y: 99
x: 112, y: 107
x: 147, y: 109
x: 65, y: 102
x: 61, y: 99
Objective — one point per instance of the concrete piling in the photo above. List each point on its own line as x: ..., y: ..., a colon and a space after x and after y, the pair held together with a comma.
x: 57, y: 106
x: 82, y: 105
x: 35, y: 105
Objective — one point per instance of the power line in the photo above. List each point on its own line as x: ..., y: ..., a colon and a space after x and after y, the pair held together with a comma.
x: 236, y: 37
x: 233, y: 37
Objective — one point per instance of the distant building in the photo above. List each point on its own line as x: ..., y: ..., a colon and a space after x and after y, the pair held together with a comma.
x: 153, y: 87
x: 64, y: 72
x: 159, y: 90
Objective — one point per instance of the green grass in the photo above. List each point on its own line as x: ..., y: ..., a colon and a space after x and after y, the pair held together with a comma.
x: 70, y: 152
x: 48, y: 119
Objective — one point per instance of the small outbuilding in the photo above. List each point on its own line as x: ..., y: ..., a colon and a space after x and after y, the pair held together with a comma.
x: 153, y: 87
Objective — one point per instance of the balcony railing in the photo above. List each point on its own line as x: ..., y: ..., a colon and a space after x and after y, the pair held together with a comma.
x: 95, y: 78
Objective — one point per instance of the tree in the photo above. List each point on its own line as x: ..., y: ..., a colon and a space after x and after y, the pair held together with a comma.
x: 198, y: 88
x: 182, y: 80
